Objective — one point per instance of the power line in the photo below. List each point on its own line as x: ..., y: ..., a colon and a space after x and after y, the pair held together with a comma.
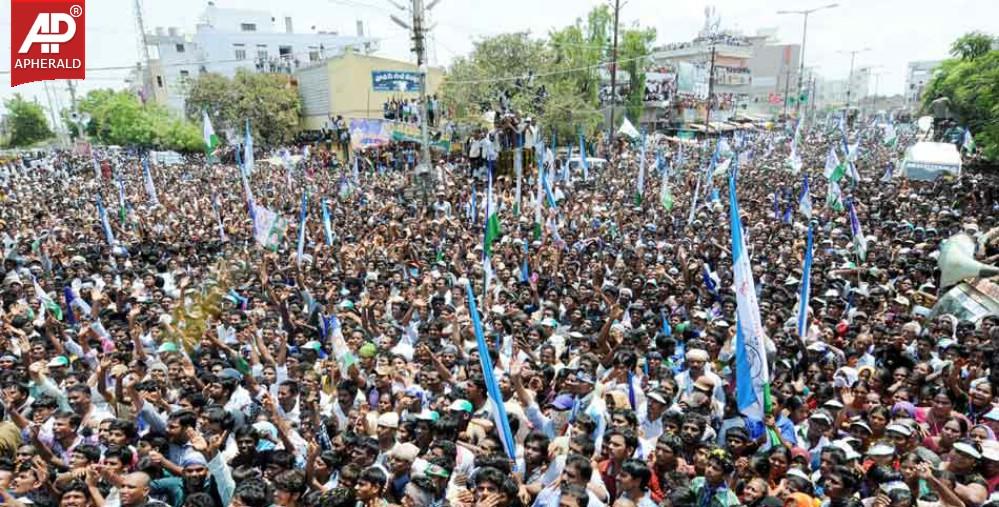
x: 557, y: 72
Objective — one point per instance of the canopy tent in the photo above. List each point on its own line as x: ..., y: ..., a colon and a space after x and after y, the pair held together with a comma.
x: 926, y: 161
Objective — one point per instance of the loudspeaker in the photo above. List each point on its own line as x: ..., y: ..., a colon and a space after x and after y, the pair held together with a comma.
x: 957, y: 261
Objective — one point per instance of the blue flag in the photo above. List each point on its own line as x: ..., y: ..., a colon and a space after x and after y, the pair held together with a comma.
x: 492, y: 388
x: 248, y: 162
x: 327, y: 229
x: 67, y: 293
x: 806, y: 285
x: 752, y: 379
x: 147, y: 176
x: 303, y: 214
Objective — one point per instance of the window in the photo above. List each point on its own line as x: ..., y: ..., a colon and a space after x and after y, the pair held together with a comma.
x: 240, y: 51
x: 159, y: 81
x: 285, y: 52
x: 262, y: 51
x: 202, y: 69
x: 180, y: 48
x: 184, y: 74
x: 313, y: 55
x: 248, y: 27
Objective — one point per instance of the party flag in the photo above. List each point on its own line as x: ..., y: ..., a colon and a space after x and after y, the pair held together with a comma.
x: 834, y: 196
x: 641, y: 175
x: 806, y: 286
x: 859, y: 240
x: 150, y: 186
x: 268, y: 227
x: 327, y: 229
x: 752, y: 372
x: 122, y: 201
x: 303, y: 215
x: 665, y: 196
x: 542, y: 161
x: 492, y: 387
x: 48, y: 304
x: 211, y: 140
x: 248, y: 161
x: 518, y: 169
x: 805, y: 200
x: 102, y: 214
x: 67, y: 294
x: 585, y: 164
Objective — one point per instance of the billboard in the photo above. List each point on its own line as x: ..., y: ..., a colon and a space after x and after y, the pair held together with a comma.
x: 395, y: 81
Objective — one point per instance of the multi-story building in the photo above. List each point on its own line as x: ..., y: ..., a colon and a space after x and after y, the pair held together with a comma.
x: 774, y: 68
x: 917, y: 76
x: 691, y: 62
x: 227, y: 40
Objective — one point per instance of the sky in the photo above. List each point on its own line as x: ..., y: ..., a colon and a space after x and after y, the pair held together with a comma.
x: 896, y: 31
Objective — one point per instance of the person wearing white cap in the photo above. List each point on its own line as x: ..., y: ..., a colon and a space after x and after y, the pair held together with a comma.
x: 963, y: 463
x: 697, y: 367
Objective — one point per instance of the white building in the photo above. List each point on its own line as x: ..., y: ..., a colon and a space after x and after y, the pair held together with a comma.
x: 230, y: 39
x: 917, y: 76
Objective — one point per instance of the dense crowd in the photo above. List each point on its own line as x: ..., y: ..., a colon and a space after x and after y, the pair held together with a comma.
x: 181, y: 363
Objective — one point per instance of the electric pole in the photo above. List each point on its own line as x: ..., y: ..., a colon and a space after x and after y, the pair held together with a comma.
x: 613, y: 94
x: 72, y: 102
x: 804, y: 33
x: 425, y: 169
x: 849, y: 80
x: 711, y: 90
x: 146, y: 75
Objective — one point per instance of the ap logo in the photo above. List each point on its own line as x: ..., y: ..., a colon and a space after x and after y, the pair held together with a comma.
x: 50, y: 29
x: 47, y: 40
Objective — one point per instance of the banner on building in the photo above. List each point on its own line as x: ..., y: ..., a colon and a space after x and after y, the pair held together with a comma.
x: 395, y: 81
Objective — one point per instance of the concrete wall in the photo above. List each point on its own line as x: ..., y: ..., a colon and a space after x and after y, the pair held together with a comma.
x: 349, y: 88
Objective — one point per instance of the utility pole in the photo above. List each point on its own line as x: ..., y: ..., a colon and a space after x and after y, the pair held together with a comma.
x: 812, y: 97
x: 72, y: 101
x: 425, y: 169
x: 849, y: 80
x: 52, y: 115
x: 146, y: 74
x: 613, y: 94
x: 711, y: 90
x: 804, y: 33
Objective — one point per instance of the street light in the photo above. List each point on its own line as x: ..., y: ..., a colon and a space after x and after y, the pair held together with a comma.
x: 849, y: 80
x: 804, y: 31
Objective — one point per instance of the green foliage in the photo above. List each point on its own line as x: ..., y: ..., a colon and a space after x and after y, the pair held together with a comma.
x: 468, y: 88
x: 971, y: 45
x: 119, y: 118
x: 269, y: 101
x: 25, y: 122
x: 971, y: 82
x: 634, y: 53
x: 562, y: 84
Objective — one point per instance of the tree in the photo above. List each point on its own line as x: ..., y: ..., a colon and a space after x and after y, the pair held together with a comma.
x: 119, y: 118
x: 26, y: 122
x: 634, y: 54
x: 268, y: 101
x: 499, y: 66
x: 971, y: 82
x: 971, y: 45
x: 556, y: 80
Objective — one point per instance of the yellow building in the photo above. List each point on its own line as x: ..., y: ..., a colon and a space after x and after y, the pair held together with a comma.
x: 357, y: 86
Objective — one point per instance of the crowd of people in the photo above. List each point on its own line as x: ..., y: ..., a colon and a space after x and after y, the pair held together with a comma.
x: 152, y: 352
x: 409, y: 110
